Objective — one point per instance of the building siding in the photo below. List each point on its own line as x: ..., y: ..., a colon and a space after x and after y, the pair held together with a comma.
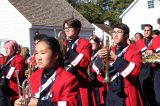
x: 13, y: 24
x: 140, y: 14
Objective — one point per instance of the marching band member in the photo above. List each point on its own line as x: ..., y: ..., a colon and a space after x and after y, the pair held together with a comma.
x: 138, y: 36
x: 51, y: 85
x: 125, y: 63
x: 12, y: 62
x: 77, y: 59
x: 96, y: 72
x: 146, y: 74
x: 31, y: 60
x: 155, y: 48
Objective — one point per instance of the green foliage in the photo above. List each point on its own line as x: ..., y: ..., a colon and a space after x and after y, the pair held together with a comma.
x: 120, y: 5
x: 112, y: 16
x: 95, y: 12
x: 72, y: 2
x: 91, y: 12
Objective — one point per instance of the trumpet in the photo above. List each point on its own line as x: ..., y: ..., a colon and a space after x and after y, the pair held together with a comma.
x: 26, y: 90
x: 154, y: 58
x: 106, y: 46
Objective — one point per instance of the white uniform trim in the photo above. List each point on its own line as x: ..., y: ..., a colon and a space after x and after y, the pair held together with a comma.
x: 150, y: 43
x: 48, y: 96
x: 95, y: 68
x: 125, y: 72
x: 93, y: 57
x: 76, y: 42
x: 9, y: 60
x: 122, y: 52
x: 10, y: 72
x: 44, y: 86
x: 128, y: 70
x: 77, y: 59
x: 111, y: 63
x: 62, y: 103
x: 158, y: 49
x: 28, y: 60
x: 143, y: 50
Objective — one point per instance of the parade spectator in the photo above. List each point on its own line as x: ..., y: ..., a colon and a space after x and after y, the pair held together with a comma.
x: 12, y: 62
x: 59, y: 86
x: 78, y: 56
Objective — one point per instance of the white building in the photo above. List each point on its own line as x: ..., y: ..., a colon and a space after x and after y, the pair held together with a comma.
x: 102, y: 30
x: 139, y: 13
x: 20, y: 19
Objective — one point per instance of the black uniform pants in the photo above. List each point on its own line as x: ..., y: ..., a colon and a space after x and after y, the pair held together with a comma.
x: 157, y: 87
x: 146, y: 84
x: 113, y: 99
x: 4, y: 100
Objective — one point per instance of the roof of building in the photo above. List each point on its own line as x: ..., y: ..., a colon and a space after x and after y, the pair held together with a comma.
x: 48, y: 12
x: 104, y: 27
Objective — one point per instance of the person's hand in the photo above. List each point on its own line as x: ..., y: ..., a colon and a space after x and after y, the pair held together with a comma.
x: 18, y: 102
x: 113, y: 56
x: 33, y: 102
x: 103, y: 52
x: 148, y: 52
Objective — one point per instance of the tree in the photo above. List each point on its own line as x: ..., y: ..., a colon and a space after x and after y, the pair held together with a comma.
x: 91, y: 11
x: 102, y: 11
x: 112, y: 16
x: 72, y: 2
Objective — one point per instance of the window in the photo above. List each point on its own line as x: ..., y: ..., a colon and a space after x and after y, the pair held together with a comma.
x: 150, y: 4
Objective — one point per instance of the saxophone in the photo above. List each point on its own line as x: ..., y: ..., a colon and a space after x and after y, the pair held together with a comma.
x: 154, y: 58
x: 106, y: 46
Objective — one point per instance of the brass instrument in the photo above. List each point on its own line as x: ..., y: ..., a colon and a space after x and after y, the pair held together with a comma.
x: 154, y: 58
x: 26, y: 90
x: 31, y: 69
x: 106, y: 45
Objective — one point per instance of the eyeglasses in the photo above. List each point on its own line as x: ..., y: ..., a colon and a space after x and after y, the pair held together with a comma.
x: 116, y: 32
x: 67, y: 28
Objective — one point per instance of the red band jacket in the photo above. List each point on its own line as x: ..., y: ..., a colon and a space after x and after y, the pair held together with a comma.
x: 127, y: 65
x: 64, y: 88
x: 17, y: 63
x: 79, y: 55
